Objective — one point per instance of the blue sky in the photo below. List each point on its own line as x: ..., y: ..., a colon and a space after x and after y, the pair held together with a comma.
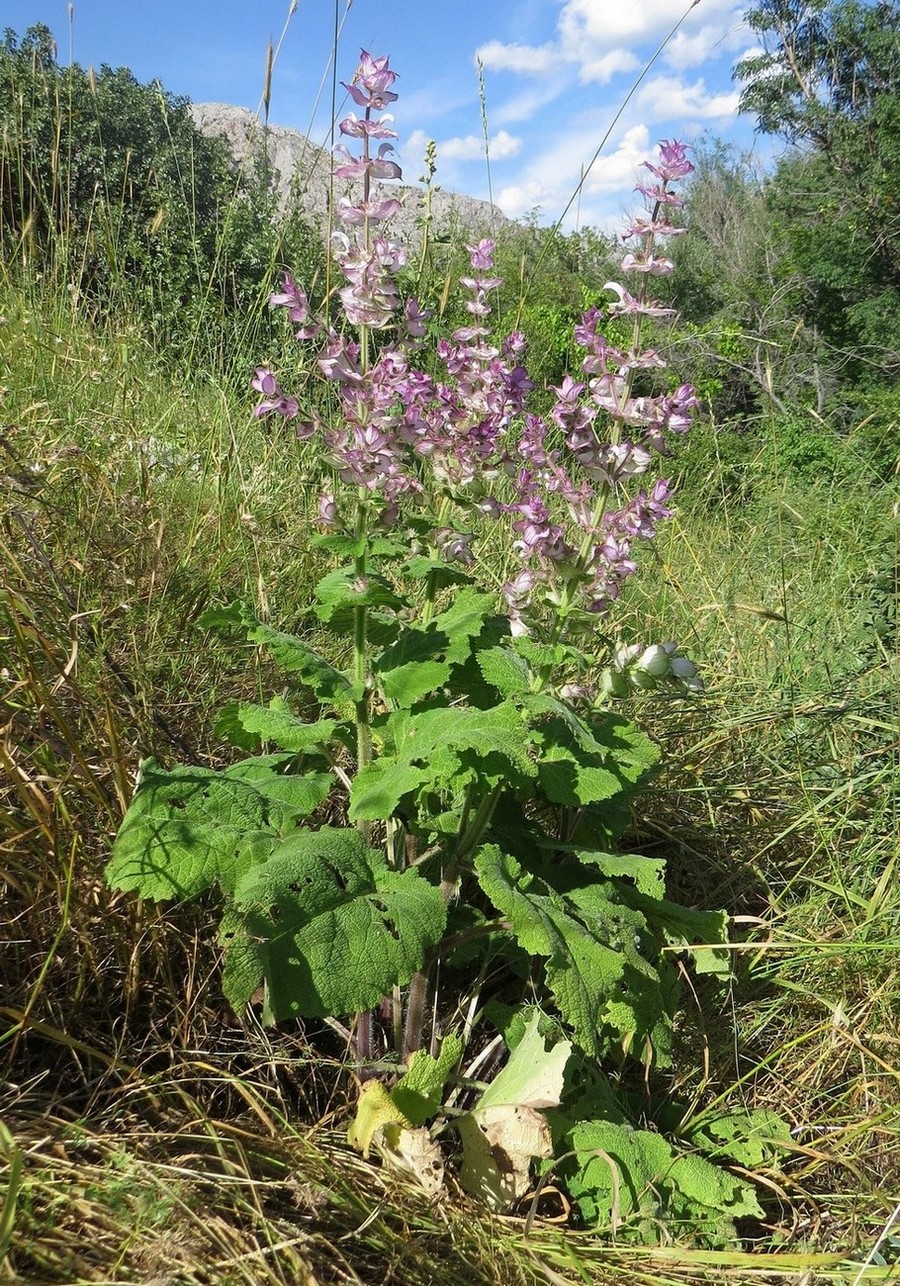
x: 556, y: 73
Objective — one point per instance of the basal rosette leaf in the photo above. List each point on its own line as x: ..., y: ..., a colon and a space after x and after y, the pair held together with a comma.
x: 328, y: 927
x: 189, y: 829
x: 635, y: 1183
x: 606, y: 990
x: 443, y: 748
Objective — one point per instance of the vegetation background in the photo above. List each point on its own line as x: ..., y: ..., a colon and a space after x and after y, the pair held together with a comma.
x: 148, y: 1135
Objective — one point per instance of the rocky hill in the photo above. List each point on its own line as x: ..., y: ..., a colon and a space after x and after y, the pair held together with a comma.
x: 299, y: 167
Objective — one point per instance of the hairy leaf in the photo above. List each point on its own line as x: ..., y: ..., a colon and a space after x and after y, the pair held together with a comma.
x: 605, y: 989
x: 277, y: 723
x: 191, y: 828
x: 635, y: 1183
x: 442, y: 747
x: 329, y: 926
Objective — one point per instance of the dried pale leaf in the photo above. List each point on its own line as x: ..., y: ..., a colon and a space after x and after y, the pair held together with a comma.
x: 413, y: 1153
x: 499, y: 1144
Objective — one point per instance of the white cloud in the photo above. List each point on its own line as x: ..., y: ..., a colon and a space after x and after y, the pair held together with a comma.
x: 525, y: 60
x: 550, y: 180
x: 524, y: 106
x: 711, y: 41
x: 603, y: 38
x: 602, y: 68
x: 667, y: 98
x: 471, y: 147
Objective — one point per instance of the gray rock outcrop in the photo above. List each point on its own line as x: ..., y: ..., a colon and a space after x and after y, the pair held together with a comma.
x: 301, y: 171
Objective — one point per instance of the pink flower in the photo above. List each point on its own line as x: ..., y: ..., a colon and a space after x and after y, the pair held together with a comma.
x: 371, y: 86
x: 274, y: 399
x: 367, y: 167
x: 482, y: 255
x: 673, y: 162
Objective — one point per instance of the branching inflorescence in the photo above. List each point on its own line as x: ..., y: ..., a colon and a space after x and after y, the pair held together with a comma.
x: 559, y: 481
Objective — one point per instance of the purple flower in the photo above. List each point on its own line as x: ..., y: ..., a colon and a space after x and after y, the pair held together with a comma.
x: 371, y: 211
x: 371, y: 86
x: 628, y: 304
x: 482, y: 255
x: 369, y: 127
x: 673, y: 162
x: 367, y: 167
x: 275, y: 400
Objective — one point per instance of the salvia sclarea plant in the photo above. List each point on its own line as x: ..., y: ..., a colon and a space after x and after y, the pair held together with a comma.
x: 474, y: 901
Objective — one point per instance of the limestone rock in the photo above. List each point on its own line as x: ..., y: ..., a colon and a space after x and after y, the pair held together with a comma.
x: 299, y: 167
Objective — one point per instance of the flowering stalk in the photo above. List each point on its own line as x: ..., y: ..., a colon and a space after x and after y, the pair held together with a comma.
x: 485, y: 456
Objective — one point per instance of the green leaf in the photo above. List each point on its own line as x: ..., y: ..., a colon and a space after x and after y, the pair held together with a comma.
x: 637, y: 1178
x: 751, y: 1138
x: 637, y: 1174
x: 329, y: 927
x: 464, y: 620
x: 344, y: 546
x: 581, y: 762
x: 647, y: 874
x: 421, y: 567
x: 606, y: 991
x: 418, y: 1094
x: 189, y: 829
x: 277, y: 723
x: 504, y: 670
x: 342, y: 591
x: 296, y: 657
x: 223, y: 617
x: 440, y: 747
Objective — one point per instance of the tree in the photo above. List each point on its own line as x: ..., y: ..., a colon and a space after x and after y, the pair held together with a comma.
x: 828, y: 82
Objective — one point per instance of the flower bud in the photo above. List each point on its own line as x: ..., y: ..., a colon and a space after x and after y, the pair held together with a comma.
x: 655, y: 662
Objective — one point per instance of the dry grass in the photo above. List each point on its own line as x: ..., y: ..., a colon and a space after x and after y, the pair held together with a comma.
x: 150, y: 1139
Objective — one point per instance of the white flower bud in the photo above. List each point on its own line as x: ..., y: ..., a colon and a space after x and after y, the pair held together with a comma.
x: 655, y: 661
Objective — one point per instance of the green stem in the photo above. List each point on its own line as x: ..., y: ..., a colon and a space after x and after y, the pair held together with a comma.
x: 418, y: 988
x: 360, y: 668
x: 431, y: 582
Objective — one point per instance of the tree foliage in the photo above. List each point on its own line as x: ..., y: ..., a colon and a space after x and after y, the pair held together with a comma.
x: 828, y: 82
x: 111, y: 185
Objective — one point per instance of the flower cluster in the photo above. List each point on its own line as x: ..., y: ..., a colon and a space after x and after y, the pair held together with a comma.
x: 587, y: 569
x: 565, y: 483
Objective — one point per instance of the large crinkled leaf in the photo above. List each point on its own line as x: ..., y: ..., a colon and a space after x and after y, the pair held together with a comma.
x: 605, y: 989
x: 444, y: 748
x: 504, y: 670
x: 506, y: 1129
x: 751, y: 1138
x: 191, y: 828
x: 328, y: 926
x: 701, y: 933
x: 277, y: 723
x: 635, y: 1184
x: 580, y: 762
